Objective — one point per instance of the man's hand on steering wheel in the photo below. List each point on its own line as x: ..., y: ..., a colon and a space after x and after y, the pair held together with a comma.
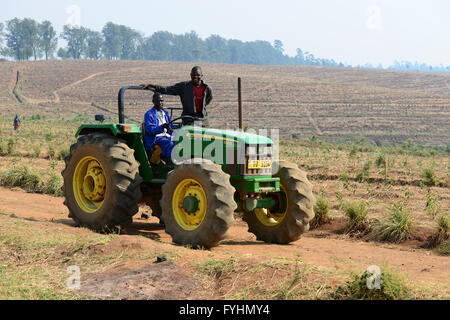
x: 166, y: 125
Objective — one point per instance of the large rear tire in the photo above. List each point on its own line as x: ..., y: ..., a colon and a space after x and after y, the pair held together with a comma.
x: 197, y: 204
x: 291, y: 218
x: 101, y: 183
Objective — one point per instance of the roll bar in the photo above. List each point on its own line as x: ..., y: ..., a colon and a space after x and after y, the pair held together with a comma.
x: 121, y: 99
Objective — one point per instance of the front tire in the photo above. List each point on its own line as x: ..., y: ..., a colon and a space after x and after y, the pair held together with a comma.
x: 291, y: 218
x: 101, y: 183
x: 197, y: 204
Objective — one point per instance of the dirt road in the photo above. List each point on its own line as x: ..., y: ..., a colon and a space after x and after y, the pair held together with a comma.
x: 320, y: 248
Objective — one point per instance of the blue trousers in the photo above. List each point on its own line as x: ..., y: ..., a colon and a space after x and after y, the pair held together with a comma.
x: 166, y: 145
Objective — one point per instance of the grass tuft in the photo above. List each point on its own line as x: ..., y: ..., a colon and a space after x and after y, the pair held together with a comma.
x: 217, y: 268
x: 363, y: 287
x: 440, y: 239
x: 21, y: 177
x: 395, y: 227
x: 321, y: 211
x: 53, y: 185
x: 356, y: 213
x: 443, y: 248
x: 429, y: 177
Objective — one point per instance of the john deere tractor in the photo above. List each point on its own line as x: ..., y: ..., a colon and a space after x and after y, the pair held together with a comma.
x: 214, y: 174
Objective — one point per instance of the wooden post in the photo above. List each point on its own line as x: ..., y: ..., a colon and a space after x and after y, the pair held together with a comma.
x: 241, y: 121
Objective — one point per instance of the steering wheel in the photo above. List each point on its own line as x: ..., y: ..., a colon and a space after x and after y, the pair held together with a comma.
x: 183, y: 117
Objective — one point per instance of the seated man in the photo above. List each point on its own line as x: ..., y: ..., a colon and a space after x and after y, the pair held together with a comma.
x: 157, y: 129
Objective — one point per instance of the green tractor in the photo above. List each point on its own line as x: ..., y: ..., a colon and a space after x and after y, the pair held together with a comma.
x: 215, y: 173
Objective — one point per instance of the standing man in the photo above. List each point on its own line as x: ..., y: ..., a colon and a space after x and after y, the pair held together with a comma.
x: 157, y: 129
x: 195, y: 95
x: 16, y: 122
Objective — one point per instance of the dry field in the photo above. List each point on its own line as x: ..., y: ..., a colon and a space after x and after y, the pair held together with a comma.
x: 334, y: 103
x: 388, y: 119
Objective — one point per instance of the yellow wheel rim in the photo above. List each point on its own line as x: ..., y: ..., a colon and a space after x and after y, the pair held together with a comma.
x: 272, y: 219
x: 189, y: 217
x: 89, y: 184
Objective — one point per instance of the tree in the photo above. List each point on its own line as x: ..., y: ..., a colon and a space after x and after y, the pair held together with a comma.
x: 299, y: 57
x: 217, y: 49
x: 194, y: 49
x: 1, y: 35
x: 130, y: 40
x: 63, y: 54
x: 162, y: 45
x: 76, y: 41
x: 48, y: 38
x: 31, y: 36
x: 278, y: 45
x: 15, y: 40
x: 112, y: 45
x: 94, y: 45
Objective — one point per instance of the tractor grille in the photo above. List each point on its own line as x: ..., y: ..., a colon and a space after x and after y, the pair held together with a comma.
x: 257, y: 156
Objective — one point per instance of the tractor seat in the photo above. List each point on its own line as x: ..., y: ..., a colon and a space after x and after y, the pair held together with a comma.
x: 154, y: 154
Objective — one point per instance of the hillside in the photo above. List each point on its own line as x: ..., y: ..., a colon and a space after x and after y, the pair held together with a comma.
x: 331, y: 103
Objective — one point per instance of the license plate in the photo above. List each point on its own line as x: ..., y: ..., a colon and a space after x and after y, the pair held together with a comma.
x: 259, y: 164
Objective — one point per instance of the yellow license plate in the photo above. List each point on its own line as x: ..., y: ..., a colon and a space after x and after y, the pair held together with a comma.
x: 259, y: 164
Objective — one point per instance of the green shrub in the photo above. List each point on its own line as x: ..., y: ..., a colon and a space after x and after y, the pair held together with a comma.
x: 432, y: 204
x: 395, y: 227
x: 3, y: 149
x: 444, y: 223
x: 443, y: 248
x: 10, y: 146
x: 428, y: 177
x: 21, y: 177
x: 442, y: 233
x: 365, y: 173
x: 353, y: 151
x: 380, y: 161
x: 321, y: 211
x: 392, y: 287
x: 356, y: 212
x: 36, y: 152
x: 53, y: 185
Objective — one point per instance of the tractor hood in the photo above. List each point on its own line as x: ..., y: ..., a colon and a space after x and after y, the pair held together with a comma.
x: 226, y: 135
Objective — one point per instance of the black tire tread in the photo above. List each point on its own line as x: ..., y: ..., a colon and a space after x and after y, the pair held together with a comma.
x: 125, y: 186
x: 221, y: 205
x: 300, y: 208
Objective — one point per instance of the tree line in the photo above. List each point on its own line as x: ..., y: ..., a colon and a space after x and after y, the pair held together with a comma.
x: 25, y: 39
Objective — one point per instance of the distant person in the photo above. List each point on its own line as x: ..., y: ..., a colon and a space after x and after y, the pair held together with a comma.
x: 157, y: 129
x: 195, y: 95
x: 16, y: 123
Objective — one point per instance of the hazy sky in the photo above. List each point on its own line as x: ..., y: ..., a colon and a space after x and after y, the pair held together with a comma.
x: 349, y: 31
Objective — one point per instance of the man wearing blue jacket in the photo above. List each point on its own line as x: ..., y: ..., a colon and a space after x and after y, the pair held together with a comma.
x: 157, y: 129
